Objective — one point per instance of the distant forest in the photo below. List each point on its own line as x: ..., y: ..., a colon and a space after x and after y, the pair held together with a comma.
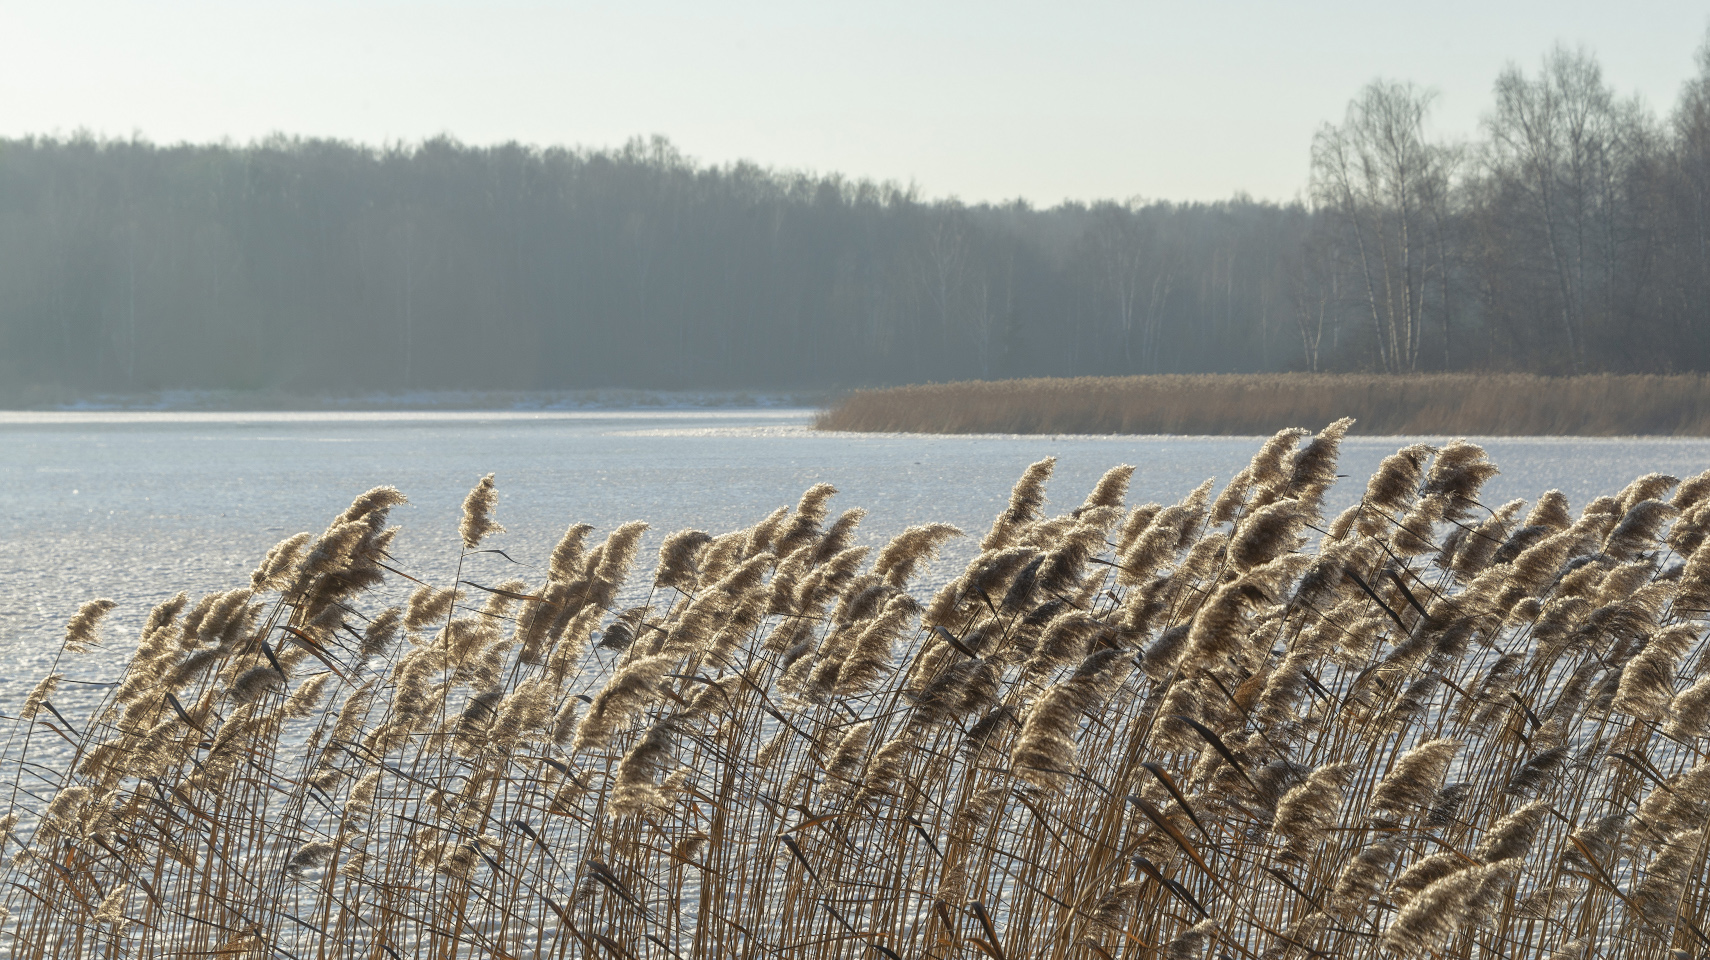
x: 1573, y: 235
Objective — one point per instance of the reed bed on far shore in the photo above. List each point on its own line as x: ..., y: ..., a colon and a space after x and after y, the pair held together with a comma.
x: 1450, y: 404
x: 1227, y: 727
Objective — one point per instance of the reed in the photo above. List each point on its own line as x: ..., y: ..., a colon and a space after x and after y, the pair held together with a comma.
x: 1226, y: 727
x: 1454, y: 404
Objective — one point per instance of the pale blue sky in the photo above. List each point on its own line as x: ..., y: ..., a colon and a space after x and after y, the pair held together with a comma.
x: 985, y: 100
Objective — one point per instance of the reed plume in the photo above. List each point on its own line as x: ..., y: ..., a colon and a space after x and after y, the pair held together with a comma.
x: 82, y: 632
x: 478, y: 509
x: 1111, y: 489
x: 1413, y: 781
x: 677, y: 559
x: 1201, y: 729
x: 899, y: 559
x: 1025, y: 499
x: 803, y: 528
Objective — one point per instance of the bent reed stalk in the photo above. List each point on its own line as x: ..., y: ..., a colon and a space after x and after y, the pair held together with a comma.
x: 1221, y: 727
x: 1437, y: 404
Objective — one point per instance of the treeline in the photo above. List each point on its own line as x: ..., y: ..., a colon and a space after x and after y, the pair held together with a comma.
x: 315, y: 264
x: 1574, y: 235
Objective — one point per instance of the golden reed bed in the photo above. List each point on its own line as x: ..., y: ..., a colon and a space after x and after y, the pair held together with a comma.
x: 1457, y: 404
x: 1225, y: 727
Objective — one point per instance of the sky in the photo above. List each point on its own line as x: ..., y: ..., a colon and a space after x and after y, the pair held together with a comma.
x: 985, y: 101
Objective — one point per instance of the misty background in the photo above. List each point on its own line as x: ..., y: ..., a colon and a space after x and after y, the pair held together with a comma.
x: 1566, y: 230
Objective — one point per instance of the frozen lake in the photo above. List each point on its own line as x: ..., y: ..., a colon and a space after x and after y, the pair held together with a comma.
x: 136, y: 506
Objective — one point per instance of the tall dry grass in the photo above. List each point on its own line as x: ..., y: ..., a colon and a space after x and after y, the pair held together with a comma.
x: 1459, y: 404
x: 1224, y: 727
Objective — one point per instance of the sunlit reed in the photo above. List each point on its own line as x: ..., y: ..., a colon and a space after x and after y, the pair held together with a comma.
x: 1225, y: 727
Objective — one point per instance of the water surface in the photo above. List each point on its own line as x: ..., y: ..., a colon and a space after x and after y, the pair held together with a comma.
x: 136, y: 506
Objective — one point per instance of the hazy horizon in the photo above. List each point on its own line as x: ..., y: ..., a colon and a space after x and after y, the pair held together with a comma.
x: 1432, y: 242
x: 986, y: 104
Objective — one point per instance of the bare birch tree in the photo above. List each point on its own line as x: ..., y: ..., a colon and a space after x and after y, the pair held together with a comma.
x: 1376, y: 175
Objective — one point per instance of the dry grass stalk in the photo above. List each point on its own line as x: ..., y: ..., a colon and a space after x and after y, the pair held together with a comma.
x: 1260, y: 404
x: 1167, y: 731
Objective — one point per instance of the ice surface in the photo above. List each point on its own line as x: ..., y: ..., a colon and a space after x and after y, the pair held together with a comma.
x: 138, y: 505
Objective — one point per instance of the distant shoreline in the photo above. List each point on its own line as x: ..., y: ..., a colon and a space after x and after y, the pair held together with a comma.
x: 254, y: 401
x: 1250, y: 404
